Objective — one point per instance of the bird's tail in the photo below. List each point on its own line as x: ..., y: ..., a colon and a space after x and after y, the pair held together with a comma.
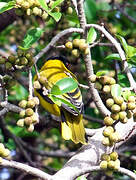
x: 72, y: 127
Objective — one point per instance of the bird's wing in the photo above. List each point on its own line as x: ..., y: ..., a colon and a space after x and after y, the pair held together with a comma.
x: 75, y: 98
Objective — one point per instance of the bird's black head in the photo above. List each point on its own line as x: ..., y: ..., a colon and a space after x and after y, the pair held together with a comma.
x: 61, y: 58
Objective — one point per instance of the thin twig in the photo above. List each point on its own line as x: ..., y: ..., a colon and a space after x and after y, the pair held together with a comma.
x: 30, y: 85
x: 6, y: 95
x: 25, y: 168
x: 22, y: 176
x: 95, y: 44
x: 55, y: 40
x: 3, y: 111
x: 36, y: 70
x: 90, y: 46
x: 105, y: 44
x: 88, y: 63
x: 7, y: 133
x: 97, y: 168
x: 125, y: 14
x: 120, y: 51
x: 127, y: 148
x: 131, y: 157
x: 81, y: 16
x: 87, y: 170
x: 75, y: 5
x: 59, y: 47
x: 93, y: 119
x: 10, y: 107
x: 58, y: 153
x: 127, y: 172
x: 83, y: 86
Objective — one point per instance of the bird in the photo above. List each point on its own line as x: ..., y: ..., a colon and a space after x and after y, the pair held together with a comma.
x: 54, y: 70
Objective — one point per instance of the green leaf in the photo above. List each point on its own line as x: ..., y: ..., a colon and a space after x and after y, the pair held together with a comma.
x: 73, y: 18
x: 81, y: 178
x: 132, y: 61
x: 55, y: 99
x: 18, y: 93
x: 68, y: 103
x: 63, y: 86
x: 123, y: 80
x: 116, y: 90
x: 10, y: 144
x: 58, y: 100
x: 101, y: 73
x: 103, y: 6
x: 31, y: 37
x: 124, y: 43
x: 56, y: 3
x: 92, y: 35
x: 113, y: 56
x: 3, y: 4
x: 131, y: 51
x: 43, y: 4
x: 22, y: 132
x: 55, y: 90
x: 6, y: 6
x: 56, y: 15
x: 56, y: 162
x: 90, y: 10
x: 126, y: 94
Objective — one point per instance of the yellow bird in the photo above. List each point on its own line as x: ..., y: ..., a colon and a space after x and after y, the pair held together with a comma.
x: 71, y: 119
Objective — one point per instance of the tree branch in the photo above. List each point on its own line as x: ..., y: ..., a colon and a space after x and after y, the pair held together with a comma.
x: 127, y: 172
x: 89, y: 155
x: 120, y: 51
x: 97, y: 168
x: 30, y: 84
x: 75, y: 5
x: 7, y: 134
x: 25, y: 168
x: 58, y: 153
x: 81, y: 15
x: 88, y: 63
x: 93, y: 119
x: 10, y: 107
x: 55, y: 40
x: 3, y: 111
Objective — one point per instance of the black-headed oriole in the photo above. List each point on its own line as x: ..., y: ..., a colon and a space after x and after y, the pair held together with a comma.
x: 71, y: 121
